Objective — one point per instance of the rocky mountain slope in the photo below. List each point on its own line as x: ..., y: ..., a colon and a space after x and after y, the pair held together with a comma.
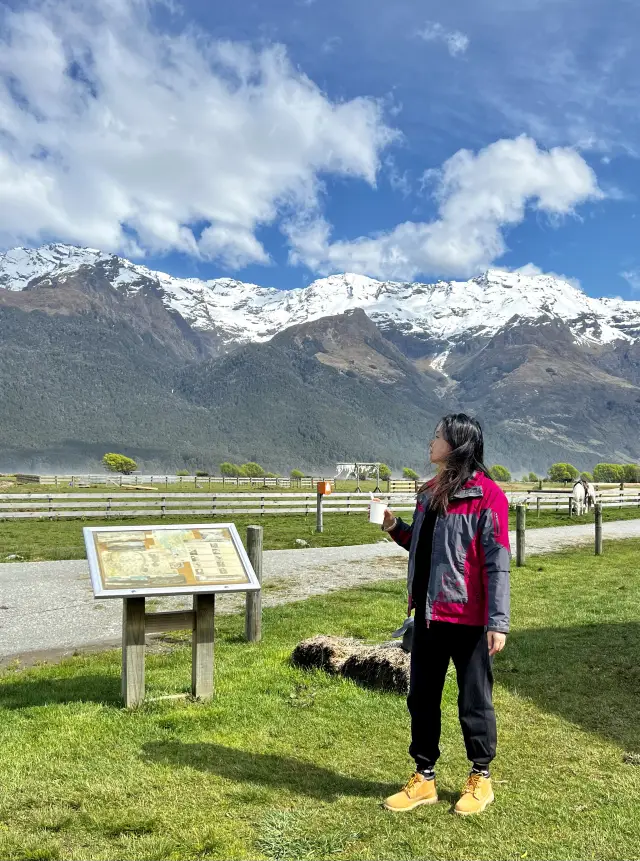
x: 97, y: 352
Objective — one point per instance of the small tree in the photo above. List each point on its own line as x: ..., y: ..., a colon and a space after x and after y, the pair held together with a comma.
x: 609, y: 473
x: 409, y: 473
x: 231, y: 469
x: 563, y: 472
x: 533, y: 476
x: 253, y: 470
x: 500, y: 473
x: 586, y: 476
x: 297, y: 473
x: 119, y: 463
x: 631, y: 473
x: 385, y: 472
x: 271, y: 475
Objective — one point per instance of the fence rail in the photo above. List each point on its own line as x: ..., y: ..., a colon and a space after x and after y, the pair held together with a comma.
x: 198, y: 481
x: 562, y: 501
x: 19, y: 506
x: 132, y: 503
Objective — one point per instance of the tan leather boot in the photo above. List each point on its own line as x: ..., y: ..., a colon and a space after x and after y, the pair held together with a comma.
x: 418, y: 790
x: 477, y: 795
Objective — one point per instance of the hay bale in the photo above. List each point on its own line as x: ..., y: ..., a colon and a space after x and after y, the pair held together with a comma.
x: 326, y: 653
x: 385, y: 667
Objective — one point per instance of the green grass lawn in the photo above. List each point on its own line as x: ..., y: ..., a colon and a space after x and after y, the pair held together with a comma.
x: 34, y: 540
x: 288, y: 764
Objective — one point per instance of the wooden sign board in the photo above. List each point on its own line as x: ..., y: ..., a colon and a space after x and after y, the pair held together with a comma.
x: 144, y: 561
x: 137, y: 562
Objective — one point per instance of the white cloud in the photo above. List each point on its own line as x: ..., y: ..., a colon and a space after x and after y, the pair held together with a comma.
x: 456, y: 41
x: 531, y: 269
x: 115, y: 135
x: 331, y: 44
x: 632, y: 277
x: 398, y: 180
x: 478, y: 195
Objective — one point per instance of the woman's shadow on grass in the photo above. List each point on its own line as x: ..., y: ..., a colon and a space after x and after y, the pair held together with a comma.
x: 588, y: 674
x: 272, y: 770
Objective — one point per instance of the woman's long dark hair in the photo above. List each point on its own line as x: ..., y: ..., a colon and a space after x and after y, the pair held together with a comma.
x: 464, y: 435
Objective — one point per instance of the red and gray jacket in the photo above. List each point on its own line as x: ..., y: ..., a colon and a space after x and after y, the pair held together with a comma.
x: 469, y: 580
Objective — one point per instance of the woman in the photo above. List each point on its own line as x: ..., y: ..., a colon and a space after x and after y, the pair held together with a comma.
x: 458, y: 584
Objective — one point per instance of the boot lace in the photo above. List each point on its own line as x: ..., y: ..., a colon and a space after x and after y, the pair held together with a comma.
x: 473, y: 782
x: 413, y: 781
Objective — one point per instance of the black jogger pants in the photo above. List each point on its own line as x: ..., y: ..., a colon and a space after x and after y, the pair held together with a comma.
x: 433, y: 647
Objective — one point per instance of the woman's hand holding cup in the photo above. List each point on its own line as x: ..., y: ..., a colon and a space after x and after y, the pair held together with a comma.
x: 379, y: 513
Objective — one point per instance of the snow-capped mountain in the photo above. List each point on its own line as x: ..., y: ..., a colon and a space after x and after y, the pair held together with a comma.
x: 178, y: 371
x: 446, y: 312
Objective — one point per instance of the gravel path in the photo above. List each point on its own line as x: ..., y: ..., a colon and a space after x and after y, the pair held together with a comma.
x: 47, y: 609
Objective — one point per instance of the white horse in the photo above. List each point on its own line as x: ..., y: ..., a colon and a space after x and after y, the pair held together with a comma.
x: 582, y: 499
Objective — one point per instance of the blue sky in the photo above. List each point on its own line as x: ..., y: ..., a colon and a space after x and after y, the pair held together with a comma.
x: 276, y: 142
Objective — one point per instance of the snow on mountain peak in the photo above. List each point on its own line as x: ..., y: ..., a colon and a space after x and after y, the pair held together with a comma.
x: 446, y: 310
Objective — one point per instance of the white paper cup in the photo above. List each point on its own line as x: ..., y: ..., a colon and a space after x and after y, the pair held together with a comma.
x: 376, y: 512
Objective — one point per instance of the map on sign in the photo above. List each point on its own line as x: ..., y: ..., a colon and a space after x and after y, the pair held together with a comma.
x: 164, y: 560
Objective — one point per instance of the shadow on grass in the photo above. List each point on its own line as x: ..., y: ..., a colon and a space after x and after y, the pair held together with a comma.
x: 277, y: 772
x: 588, y: 674
x: 21, y: 692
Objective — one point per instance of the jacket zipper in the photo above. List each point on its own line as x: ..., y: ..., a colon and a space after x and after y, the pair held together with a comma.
x: 429, y: 606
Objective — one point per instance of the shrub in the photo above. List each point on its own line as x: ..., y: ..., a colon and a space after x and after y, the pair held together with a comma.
x: 385, y: 472
x: 182, y: 472
x: 297, y: 473
x: 563, y: 472
x: 532, y: 477
x: 410, y: 473
x: 202, y: 473
x: 253, y: 470
x: 119, y: 463
x: 231, y: 469
x: 608, y: 472
x: 500, y: 473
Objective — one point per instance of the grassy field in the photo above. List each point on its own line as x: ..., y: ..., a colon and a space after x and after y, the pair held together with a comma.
x: 36, y: 540
x: 286, y: 764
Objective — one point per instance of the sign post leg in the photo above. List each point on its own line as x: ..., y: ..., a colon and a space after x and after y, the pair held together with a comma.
x: 202, y: 646
x: 253, y: 612
x: 133, y: 632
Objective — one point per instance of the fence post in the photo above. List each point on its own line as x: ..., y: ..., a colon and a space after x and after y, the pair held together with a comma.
x: 319, y: 525
x: 521, y: 525
x: 538, y: 506
x: 253, y: 612
x: 598, y: 529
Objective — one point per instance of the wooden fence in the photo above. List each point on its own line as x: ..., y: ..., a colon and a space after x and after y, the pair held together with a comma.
x: 131, y: 503
x: 562, y: 501
x: 307, y: 482
x: 19, y: 506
